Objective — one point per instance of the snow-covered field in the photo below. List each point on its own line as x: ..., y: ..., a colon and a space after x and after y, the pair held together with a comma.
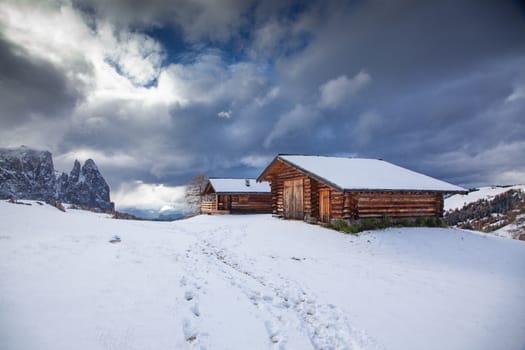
x: 252, y: 282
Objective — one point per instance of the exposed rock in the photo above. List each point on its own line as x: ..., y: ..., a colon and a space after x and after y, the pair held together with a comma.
x: 57, y: 204
x: 85, y: 187
x: 26, y: 174
x: 29, y: 174
x: 125, y: 216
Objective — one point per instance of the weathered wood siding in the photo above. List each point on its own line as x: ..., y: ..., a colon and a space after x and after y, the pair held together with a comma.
x: 310, y: 196
x: 324, y: 205
x: 251, y: 203
x: 238, y: 203
x: 207, y: 207
x: 293, y: 202
x: 286, y: 173
x: 393, y: 204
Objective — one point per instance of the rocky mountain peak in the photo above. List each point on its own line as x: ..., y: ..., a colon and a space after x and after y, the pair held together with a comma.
x: 85, y: 186
x: 26, y: 173
x: 29, y: 174
x: 90, y: 164
x: 75, y: 172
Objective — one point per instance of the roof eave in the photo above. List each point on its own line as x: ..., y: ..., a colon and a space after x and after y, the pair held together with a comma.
x: 403, y: 190
x: 235, y: 193
x: 260, y: 178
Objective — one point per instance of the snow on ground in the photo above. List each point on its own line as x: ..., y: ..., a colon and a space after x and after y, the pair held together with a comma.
x: 251, y: 282
x: 457, y: 201
x: 510, y: 230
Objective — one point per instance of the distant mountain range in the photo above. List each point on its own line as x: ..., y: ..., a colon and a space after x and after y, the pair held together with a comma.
x: 27, y: 173
x: 155, y: 215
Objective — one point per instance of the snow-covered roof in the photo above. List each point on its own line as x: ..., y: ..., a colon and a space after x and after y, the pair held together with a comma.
x: 239, y: 186
x: 366, y: 174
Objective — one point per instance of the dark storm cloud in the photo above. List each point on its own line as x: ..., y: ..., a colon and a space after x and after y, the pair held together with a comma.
x: 435, y: 86
x: 441, y: 72
x: 213, y: 21
x: 32, y: 88
x: 410, y: 39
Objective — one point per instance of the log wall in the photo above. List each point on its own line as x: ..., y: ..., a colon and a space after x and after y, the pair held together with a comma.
x: 286, y: 172
x: 238, y: 203
x: 393, y: 204
x: 251, y: 203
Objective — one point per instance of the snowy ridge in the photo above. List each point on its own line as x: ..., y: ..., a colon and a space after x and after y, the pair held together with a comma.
x: 457, y: 201
x: 495, y: 210
x: 251, y: 282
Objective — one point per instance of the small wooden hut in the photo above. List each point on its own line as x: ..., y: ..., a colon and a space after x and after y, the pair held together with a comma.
x: 316, y: 188
x: 236, y: 196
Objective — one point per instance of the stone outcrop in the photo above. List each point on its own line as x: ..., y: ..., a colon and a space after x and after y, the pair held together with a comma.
x: 85, y: 186
x: 29, y: 174
x: 26, y: 174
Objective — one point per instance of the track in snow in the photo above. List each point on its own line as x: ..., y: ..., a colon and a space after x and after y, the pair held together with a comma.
x: 286, y: 308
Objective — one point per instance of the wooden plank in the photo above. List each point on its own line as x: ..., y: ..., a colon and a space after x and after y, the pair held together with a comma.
x: 298, y: 199
x: 324, y: 205
x: 288, y: 199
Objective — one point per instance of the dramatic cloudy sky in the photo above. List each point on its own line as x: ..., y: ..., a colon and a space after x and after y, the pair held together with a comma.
x: 156, y: 91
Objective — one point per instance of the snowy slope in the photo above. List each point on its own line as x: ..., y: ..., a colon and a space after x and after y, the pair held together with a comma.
x: 457, y: 201
x: 513, y: 229
x: 251, y: 282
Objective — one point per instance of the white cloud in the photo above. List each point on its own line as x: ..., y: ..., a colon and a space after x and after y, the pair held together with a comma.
x: 272, y: 94
x: 267, y: 38
x: 517, y: 94
x: 225, y: 114
x: 367, y: 124
x: 137, y: 56
x: 90, y: 56
x: 209, y: 79
x: 65, y: 161
x: 499, y: 165
x: 340, y: 90
x: 299, y: 118
x: 137, y: 194
x: 116, y: 63
x: 256, y: 161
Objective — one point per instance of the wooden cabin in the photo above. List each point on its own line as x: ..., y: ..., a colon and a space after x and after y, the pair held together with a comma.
x: 236, y: 196
x: 322, y: 189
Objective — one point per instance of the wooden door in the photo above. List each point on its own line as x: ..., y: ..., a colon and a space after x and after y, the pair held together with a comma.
x: 324, y: 205
x: 293, y: 199
x: 226, y: 202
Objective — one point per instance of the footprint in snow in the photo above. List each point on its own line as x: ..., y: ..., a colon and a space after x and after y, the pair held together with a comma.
x: 115, y: 239
x: 189, y: 331
x: 273, y: 331
x: 188, y: 295
x: 195, y: 310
